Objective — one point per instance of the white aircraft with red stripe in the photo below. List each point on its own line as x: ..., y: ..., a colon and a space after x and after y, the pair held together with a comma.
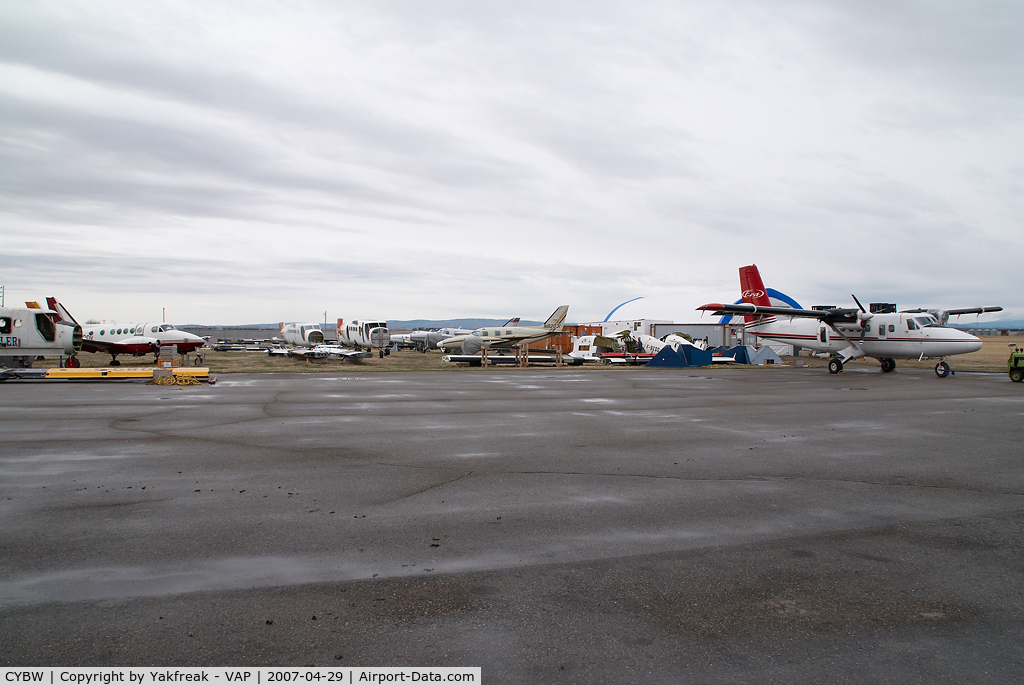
x: 133, y: 339
x: 851, y: 333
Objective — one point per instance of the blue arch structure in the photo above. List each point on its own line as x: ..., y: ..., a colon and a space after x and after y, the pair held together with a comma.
x: 771, y: 292
x: 617, y: 308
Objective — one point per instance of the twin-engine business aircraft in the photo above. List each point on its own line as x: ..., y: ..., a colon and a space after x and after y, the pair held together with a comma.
x: 510, y: 336
x: 850, y: 333
x: 135, y: 339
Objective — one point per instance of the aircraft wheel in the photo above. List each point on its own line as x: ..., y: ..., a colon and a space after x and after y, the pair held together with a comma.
x: 114, y: 362
x: 382, y: 354
x: 888, y: 365
x: 1016, y: 375
x: 942, y: 369
x: 72, y: 363
x: 835, y: 366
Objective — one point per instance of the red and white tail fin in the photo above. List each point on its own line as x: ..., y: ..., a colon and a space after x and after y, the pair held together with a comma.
x: 753, y: 290
x: 280, y: 327
x: 340, y: 324
x: 62, y: 313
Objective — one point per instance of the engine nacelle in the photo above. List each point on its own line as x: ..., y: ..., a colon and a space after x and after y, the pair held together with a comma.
x: 313, y: 336
x: 472, y: 344
x: 69, y: 336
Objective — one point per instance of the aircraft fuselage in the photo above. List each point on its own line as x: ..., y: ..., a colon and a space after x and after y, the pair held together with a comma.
x: 896, y: 336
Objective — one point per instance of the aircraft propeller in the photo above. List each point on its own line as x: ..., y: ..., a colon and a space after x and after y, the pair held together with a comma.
x: 863, y: 317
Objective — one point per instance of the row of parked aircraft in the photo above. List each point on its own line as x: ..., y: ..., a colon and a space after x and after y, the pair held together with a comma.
x: 843, y: 334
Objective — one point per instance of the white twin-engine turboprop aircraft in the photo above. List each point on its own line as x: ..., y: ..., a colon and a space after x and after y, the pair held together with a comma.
x: 136, y: 339
x: 850, y: 333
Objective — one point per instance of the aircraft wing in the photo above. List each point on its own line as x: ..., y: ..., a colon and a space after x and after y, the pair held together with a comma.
x: 512, y: 341
x: 827, y: 315
x: 973, y: 310
x: 133, y: 345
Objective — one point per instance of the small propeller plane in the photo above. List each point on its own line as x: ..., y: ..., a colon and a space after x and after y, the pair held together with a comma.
x: 508, y: 336
x: 851, y: 333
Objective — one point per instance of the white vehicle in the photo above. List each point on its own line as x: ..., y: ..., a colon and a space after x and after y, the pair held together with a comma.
x: 30, y: 332
x: 847, y: 334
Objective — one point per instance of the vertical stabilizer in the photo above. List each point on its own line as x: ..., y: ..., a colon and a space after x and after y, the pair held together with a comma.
x: 753, y: 290
x: 557, y: 318
x: 62, y: 313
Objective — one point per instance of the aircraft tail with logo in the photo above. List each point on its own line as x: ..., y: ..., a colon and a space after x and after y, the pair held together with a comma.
x: 753, y: 290
x: 557, y: 318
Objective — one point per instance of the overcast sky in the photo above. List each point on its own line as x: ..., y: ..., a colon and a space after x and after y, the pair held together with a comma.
x: 242, y: 162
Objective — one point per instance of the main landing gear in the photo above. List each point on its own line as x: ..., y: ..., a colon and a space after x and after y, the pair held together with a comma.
x: 888, y: 364
x: 942, y: 369
x: 835, y: 365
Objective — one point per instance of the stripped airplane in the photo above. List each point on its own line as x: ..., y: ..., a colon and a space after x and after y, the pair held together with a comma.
x: 364, y: 334
x: 507, y: 336
x: 30, y: 332
x: 847, y: 334
x: 306, y: 341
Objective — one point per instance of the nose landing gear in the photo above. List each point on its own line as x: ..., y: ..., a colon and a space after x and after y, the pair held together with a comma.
x: 942, y: 369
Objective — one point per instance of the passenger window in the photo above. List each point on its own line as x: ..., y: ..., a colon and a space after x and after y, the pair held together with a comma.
x: 892, y: 329
x: 152, y: 329
x: 5, y: 326
x: 867, y: 328
x: 102, y: 332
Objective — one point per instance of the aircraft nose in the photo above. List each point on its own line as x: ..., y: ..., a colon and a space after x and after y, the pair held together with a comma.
x: 970, y: 343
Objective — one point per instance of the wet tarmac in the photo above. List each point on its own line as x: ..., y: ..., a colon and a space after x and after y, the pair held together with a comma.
x: 577, y: 526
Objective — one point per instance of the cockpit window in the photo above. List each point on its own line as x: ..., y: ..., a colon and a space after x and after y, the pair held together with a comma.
x: 45, y: 327
x: 479, y: 333
x: 911, y: 325
x: 927, y: 320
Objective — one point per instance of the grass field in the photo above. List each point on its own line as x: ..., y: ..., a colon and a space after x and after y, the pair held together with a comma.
x: 991, y: 357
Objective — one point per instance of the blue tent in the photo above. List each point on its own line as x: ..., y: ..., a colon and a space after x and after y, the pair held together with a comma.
x: 668, y: 358
x: 687, y: 356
